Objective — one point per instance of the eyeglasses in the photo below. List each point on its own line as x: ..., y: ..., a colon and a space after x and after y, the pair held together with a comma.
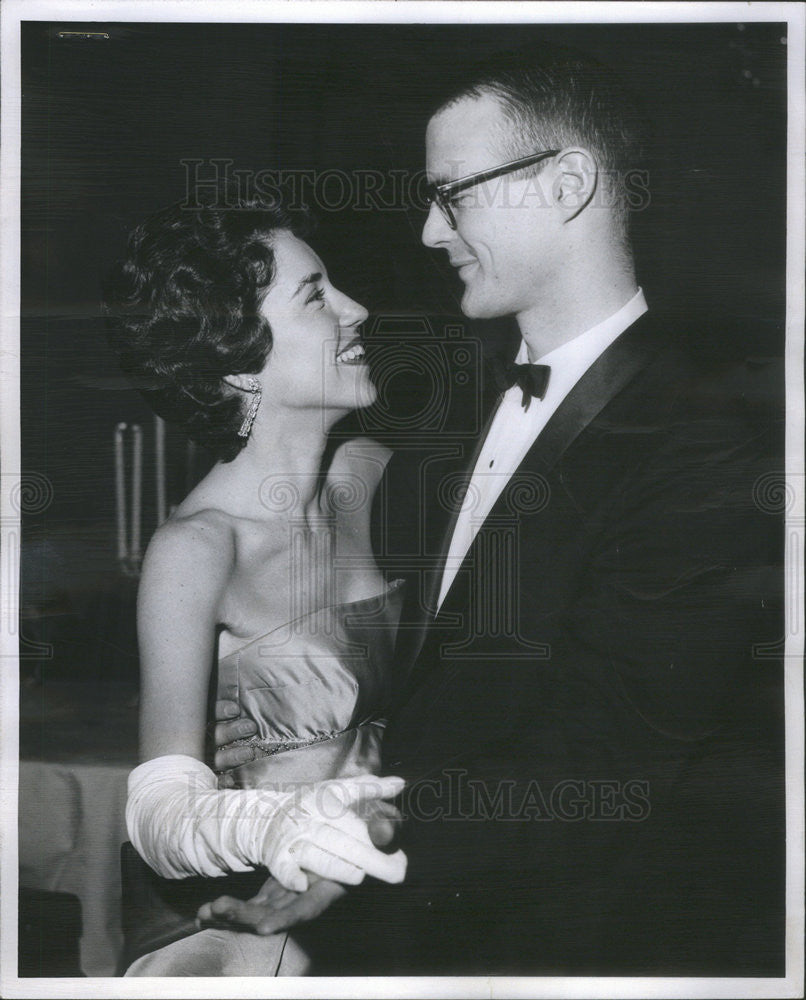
x: 441, y: 195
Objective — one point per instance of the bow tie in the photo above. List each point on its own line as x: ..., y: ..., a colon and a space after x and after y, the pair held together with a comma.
x: 533, y: 380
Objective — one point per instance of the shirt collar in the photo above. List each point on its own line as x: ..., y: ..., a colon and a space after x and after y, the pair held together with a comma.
x: 586, y: 347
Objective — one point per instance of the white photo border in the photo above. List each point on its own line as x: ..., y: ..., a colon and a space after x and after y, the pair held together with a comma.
x: 380, y: 11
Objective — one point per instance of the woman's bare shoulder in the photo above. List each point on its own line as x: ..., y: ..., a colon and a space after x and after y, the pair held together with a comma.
x: 191, y: 547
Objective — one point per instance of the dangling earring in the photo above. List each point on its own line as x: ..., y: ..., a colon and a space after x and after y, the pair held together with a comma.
x: 249, y: 419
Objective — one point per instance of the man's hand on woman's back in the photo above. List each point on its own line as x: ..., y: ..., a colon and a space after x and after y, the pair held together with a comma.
x: 230, y: 726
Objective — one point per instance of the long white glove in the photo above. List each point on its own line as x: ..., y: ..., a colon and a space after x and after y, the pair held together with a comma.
x: 182, y: 824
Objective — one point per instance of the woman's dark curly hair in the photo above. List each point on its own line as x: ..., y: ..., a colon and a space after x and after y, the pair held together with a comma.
x: 183, y: 311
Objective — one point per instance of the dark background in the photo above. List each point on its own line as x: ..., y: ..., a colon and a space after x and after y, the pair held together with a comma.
x: 105, y: 125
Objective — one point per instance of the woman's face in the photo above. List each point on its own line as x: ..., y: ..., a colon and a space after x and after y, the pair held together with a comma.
x: 316, y: 359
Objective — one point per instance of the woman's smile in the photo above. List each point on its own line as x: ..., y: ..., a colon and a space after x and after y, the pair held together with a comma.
x: 352, y: 353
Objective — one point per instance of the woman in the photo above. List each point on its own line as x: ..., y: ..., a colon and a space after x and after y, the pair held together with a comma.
x: 227, y: 322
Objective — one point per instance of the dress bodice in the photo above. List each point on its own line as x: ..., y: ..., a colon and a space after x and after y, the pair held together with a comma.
x: 317, y: 688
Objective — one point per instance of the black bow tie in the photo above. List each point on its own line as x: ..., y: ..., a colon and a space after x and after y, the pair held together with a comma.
x: 533, y: 380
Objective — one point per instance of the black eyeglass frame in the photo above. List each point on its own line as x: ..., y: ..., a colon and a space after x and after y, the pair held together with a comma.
x: 441, y: 194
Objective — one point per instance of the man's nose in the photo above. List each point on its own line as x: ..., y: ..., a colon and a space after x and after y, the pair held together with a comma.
x: 436, y: 231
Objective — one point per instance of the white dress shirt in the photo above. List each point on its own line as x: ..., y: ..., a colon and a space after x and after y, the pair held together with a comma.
x: 514, y: 430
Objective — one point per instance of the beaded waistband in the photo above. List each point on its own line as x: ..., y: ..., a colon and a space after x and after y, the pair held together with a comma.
x: 268, y: 748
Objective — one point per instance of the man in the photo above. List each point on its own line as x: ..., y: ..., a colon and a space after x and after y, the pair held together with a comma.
x: 593, y: 775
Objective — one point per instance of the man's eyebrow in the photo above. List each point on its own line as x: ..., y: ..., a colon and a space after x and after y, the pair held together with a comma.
x: 310, y: 279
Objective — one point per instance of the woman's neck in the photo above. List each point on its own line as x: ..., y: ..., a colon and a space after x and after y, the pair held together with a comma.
x: 279, y: 471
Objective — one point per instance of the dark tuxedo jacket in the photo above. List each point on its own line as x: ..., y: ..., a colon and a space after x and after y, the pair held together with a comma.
x: 591, y: 724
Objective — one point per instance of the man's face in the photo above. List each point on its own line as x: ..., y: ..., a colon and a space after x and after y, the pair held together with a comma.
x: 506, y: 231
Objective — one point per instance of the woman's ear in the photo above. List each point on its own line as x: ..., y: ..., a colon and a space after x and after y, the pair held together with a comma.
x: 577, y: 177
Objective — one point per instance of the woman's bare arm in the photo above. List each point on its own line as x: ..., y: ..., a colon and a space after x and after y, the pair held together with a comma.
x: 185, y: 572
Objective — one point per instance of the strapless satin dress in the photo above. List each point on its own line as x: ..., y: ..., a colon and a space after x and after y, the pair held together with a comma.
x: 318, y: 689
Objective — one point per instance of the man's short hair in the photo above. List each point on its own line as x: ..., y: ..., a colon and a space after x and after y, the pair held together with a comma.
x: 557, y: 97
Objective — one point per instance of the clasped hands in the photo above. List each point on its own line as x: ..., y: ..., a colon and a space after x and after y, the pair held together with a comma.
x: 283, y: 903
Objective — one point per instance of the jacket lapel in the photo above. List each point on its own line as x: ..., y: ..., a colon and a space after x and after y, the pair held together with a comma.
x: 463, y: 481
x: 421, y: 602
x: 606, y: 377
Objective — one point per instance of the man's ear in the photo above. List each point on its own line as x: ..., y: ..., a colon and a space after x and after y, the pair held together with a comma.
x: 577, y: 177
